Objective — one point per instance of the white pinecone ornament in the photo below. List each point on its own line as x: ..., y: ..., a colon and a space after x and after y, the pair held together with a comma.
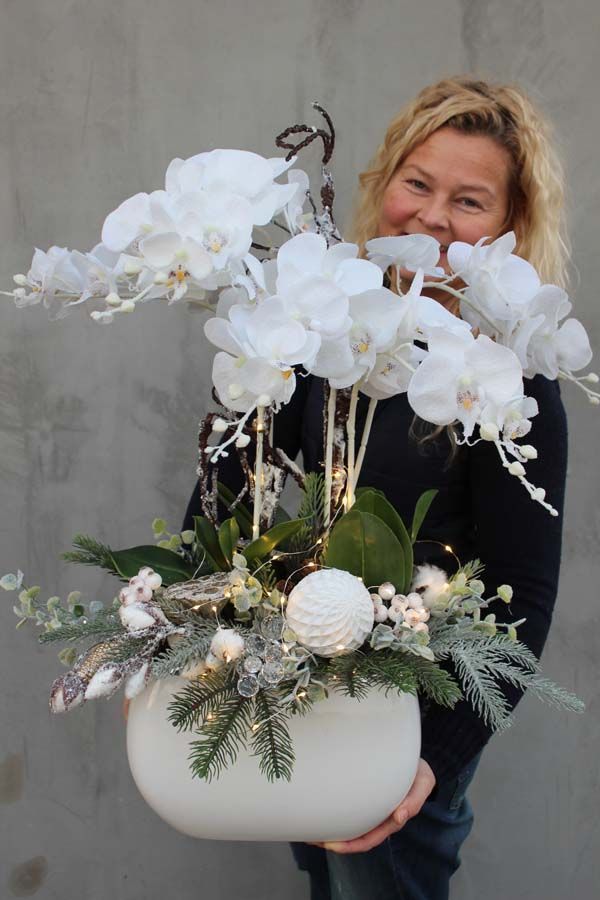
x: 331, y: 612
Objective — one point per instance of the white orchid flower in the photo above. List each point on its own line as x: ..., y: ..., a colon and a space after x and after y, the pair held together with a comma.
x: 511, y: 418
x: 501, y: 284
x: 297, y: 220
x: 138, y: 216
x: 239, y: 172
x: 52, y: 272
x: 242, y: 381
x: 541, y: 345
x: 407, y: 251
x: 376, y: 316
x: 459, y: 375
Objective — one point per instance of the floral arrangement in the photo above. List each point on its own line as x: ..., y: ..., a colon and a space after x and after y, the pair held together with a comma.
x: 262, y: 614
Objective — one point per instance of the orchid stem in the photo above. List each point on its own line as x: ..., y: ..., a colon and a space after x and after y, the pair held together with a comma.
x: 351, y: 432
x: 329, y: 454
x: 363, y: 443
x: 258, y: 470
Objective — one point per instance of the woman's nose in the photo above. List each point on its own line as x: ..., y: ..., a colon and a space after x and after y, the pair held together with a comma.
x: 433, y: 213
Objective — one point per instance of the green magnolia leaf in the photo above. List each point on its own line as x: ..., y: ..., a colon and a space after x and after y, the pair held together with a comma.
x: 241, y: 513
x: 375, y: 502
x: 364, y: 545
x: 208, y: 538
x: 170, y: 566
x: 267, y: 542
x: 421, y: 509
x: 229, y: 535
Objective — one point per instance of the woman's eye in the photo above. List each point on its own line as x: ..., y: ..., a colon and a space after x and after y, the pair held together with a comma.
x: 470, y: 203
x: 420, y: 185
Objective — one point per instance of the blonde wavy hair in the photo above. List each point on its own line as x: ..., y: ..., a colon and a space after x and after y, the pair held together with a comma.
x: 506, y: 114
x: 537, y: 192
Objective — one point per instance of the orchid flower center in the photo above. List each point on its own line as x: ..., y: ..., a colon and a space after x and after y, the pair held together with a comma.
x: 214, y: 241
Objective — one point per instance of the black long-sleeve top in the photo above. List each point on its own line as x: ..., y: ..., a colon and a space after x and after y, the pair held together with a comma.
x: 481, y: 511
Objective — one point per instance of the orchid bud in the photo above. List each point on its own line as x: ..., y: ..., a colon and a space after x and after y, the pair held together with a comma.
x: 219, y: 425
x: 594, y: 401
x: 113, y: 299
x: 188, y: 536
x: 591, y: 376
x: 505, y: 592
x: 489, y: 431
x: 132, y: 268
x: 528, y: 451
x: 511, y: 632
x: 263, y: 400
x: 22, y: 280
x: 516, y: 468
x: 161, y: 278
x: 539, y: 494
x: 127, y: 306
x: 243, y: 440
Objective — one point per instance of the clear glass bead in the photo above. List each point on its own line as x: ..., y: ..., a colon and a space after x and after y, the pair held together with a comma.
x: 273, y: 672
x: 253, y: 664
x: 273, y: 653
x: 272, y: 627
x: 255, y: 644
x: 248, y: 686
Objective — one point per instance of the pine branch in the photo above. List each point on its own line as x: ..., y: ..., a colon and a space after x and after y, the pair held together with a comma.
x: 542, y: 687
x: 105, y: 624
x: 189, y: 708
x: 222, y: 736
x: 435, y: 683
x: 310, y: 509
x: 503, y: 647
x: 480, y: 688
x: 271, y: 740
x: 345, y: 672
x: 91, y: 553
x: 189, y: 650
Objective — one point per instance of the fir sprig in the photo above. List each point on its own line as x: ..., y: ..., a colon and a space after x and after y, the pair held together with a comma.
x: 91, y: 552
x: 271, y: 740
x: 104, y: 624
x: 199, y: 697
x: 192, y: 647
x: 222, y: 736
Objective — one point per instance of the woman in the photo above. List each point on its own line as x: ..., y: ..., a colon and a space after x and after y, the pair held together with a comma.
x: 465, y: 160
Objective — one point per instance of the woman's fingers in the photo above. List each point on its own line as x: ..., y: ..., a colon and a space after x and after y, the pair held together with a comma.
x: 125, y: 707
x: 420, y: 790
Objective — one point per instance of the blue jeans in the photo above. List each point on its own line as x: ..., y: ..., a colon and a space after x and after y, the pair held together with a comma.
x: 415, y: 863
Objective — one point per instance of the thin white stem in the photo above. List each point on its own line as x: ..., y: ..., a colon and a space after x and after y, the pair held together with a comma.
x: 351, y: 432
x: 258, y: 470
x: 463, y: 299
x: 363, y: 443
x: 329, y: 454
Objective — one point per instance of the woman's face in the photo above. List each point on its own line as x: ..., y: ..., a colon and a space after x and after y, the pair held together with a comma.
x: 453, y: 186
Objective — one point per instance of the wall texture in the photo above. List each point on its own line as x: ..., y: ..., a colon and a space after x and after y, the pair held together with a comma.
x: 98, y: 425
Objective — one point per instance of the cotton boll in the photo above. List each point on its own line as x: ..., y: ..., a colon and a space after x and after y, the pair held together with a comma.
x: 227, y: 645
x: 431, y: 583
x: 194, y: 670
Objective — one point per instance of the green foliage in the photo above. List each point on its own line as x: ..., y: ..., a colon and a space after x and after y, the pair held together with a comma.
x: 199, y: 697
x: 421, y: 510
x: 271, y: 740
x: 91, y: 553
x: 206, y: 535
x: 188, y: 650
x: 229, y: 535
x: 311, y: 510
x: 104, y: 625
x: 268, y: 541
x: 241, y: 513
x: 375, y: 503
x: 364, y: 545
x: 222, y: 736
x: 171, y: 567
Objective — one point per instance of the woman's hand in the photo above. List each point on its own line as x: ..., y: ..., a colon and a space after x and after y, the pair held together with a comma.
x: 421, y: 788
x: 126, y: 703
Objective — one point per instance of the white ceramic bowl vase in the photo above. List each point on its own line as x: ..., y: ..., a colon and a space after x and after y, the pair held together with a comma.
x: 355, y: 762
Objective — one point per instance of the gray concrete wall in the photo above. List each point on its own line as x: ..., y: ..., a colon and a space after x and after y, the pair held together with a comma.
x: 98, y: 425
